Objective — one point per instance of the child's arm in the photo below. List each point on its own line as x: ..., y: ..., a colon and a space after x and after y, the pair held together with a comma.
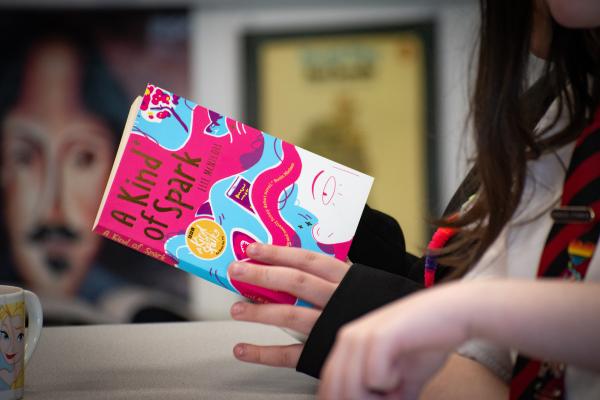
x: 401, y: 346
x: 550, y: 319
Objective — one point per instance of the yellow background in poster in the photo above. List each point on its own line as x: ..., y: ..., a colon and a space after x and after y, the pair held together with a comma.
x: 359, y: 100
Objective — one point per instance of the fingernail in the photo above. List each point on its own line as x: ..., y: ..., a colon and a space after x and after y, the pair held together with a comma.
x: 239, y: 350
x: 236, y: 269
x: 253, y: 249
x: 237, y: 308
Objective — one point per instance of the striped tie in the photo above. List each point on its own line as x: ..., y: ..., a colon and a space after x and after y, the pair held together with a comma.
x: 567, y: 254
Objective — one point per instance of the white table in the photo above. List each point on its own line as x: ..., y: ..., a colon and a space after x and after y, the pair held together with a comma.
x: 159, y: 361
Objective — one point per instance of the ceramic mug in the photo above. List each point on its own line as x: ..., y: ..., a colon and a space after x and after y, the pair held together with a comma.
x: 16, y: 345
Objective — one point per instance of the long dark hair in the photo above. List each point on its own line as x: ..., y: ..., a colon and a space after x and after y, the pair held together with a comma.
x: 504, y: 111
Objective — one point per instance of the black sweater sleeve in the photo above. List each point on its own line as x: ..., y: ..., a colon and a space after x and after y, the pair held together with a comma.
x: 392, y: 274
x: 363, y: 289
x: 379, y: 243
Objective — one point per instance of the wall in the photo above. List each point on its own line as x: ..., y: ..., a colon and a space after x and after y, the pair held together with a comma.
x: 217, y: 80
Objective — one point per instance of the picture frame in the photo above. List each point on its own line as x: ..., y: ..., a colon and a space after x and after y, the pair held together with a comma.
x: 364, y: 97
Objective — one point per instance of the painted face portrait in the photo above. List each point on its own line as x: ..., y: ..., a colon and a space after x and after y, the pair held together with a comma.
x: 56, y: 158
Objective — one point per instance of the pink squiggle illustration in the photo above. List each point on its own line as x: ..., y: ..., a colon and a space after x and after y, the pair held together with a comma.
x: 241, y: 240
x: 266, y: 191
x: 340, y: 250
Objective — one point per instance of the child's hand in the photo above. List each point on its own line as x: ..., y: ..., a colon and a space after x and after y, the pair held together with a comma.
x: 311, y: 276
x: 393, y: 352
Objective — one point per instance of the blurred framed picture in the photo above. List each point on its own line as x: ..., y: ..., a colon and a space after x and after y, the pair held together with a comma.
x: 362, y: 97
x: 66, y: 84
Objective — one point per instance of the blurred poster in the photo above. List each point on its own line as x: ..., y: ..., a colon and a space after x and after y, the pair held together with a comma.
x: 360, y: 97
x: 67, y: 79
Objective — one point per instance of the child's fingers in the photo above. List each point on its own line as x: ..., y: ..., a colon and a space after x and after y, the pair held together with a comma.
x: 308, y: 287
x: 276, y: 356
x: 299, y: 319
x: 321, y: 265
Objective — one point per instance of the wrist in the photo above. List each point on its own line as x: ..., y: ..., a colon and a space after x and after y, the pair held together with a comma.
x: 465, y: 306
x: 478, y: 298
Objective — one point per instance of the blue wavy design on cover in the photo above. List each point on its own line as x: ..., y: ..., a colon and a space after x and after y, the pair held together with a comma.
x: 233, y: 216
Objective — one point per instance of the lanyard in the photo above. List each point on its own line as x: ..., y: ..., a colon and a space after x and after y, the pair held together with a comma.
x: 567, y: 254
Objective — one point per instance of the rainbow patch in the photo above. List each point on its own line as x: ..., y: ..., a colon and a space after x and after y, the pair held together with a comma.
x: 581, y: 249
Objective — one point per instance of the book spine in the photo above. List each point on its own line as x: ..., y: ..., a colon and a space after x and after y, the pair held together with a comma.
x: 157, y: 253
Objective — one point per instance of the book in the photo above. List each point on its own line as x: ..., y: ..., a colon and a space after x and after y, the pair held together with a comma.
x: 194, y: 188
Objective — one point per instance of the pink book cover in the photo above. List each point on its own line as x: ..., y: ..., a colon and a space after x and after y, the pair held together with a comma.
x: 193, y: 188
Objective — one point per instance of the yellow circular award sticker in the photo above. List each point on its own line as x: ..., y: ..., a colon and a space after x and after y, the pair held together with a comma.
x: 205, y: 238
